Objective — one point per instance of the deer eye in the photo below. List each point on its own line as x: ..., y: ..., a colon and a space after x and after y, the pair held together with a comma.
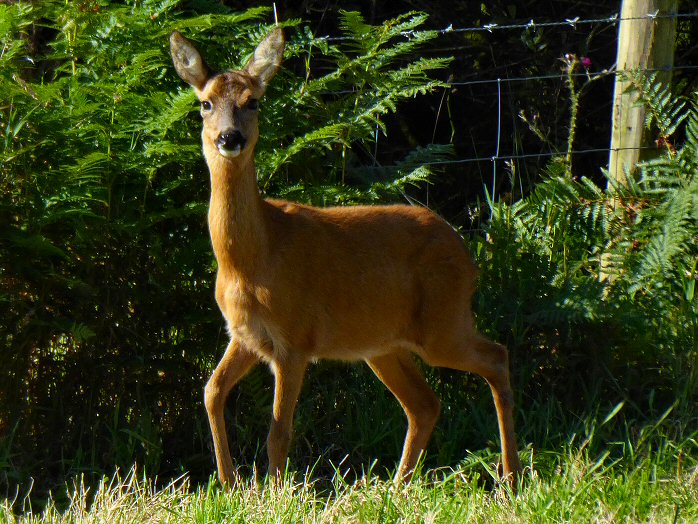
x: 253, y: 104
x: 205, y: 105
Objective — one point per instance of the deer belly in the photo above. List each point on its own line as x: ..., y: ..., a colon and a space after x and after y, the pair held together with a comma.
x: 350, y: 329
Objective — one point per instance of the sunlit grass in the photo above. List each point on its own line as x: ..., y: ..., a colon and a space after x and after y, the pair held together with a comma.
x: 570, y: 486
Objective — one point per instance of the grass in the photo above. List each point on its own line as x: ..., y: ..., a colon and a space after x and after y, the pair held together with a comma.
x: 610, y: 468
x: 572, y: 486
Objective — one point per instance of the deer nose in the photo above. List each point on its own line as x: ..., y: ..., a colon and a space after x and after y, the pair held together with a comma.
x: 231, y: 141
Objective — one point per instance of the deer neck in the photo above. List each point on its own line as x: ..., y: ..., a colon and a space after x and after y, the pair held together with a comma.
x: 236, y: 216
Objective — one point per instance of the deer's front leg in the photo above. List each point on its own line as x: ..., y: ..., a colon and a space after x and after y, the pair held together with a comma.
x: 235, y: 364
x: 288, y: 374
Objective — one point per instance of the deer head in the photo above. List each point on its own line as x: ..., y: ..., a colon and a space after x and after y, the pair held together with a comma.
x: 229, y: 101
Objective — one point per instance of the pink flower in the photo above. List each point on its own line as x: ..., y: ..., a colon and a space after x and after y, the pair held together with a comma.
x: 586, y: 62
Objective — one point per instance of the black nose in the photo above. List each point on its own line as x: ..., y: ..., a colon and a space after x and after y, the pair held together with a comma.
x: 231, y: 140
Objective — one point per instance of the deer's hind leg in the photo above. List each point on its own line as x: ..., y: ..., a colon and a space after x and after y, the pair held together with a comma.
x: 474, y: 353
x: 402, y: 377
x: 451, y: 340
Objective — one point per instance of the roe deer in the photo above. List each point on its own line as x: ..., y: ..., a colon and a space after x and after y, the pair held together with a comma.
x: 297, y: 283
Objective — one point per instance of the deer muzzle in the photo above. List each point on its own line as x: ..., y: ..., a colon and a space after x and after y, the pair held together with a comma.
x: 230, y: 143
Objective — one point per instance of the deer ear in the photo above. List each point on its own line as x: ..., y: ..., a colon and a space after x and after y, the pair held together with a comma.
x: 188, y: 61
x: 267, y: 57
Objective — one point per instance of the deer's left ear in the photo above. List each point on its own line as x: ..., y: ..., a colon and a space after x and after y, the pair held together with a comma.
x: 267, y: 57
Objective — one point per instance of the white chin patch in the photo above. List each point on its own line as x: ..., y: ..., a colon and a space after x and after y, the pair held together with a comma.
x: 230, y: 153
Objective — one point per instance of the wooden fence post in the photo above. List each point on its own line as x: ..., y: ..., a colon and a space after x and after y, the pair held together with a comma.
x: 644, y: 42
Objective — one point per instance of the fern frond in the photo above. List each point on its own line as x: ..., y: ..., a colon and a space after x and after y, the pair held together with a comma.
x: 664, y: 109
x: 353, y: 24
x: 167, y: 112
x: 662, y: 203
x: 88, y: 169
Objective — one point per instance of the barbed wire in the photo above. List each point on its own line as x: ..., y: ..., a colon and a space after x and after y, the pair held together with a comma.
x: 497, y: 157
x: 571, y: 22
x: 532, y: 24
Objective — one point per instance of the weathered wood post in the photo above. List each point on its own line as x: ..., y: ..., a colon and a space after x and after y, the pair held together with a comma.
x: 645, y: 41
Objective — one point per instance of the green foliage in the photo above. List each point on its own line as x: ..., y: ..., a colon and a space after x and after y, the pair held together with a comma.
x: 110, y: 329
x: 664, y: 109
x: 374, y: 72
x: 106, y: 273
x: 602, y: 282
x: 663, y: 203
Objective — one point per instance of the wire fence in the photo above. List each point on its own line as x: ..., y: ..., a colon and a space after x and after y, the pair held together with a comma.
x: 531, y: 24
x: 501, y: 152
x: 575, y: 75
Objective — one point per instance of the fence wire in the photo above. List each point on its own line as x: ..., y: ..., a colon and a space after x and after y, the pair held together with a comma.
x: 532, y: 24
x: 573, y: 23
